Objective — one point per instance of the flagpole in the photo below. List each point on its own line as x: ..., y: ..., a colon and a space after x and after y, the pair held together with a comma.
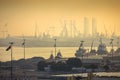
x: 11, y: 43
x: 24, y: 55
x: 11, y: 66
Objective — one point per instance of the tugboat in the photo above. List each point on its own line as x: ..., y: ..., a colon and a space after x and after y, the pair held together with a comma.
x: 102, y: 48
x: 81, y: 51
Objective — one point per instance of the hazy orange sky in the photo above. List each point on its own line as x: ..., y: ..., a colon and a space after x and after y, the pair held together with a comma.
x: 21, y: 16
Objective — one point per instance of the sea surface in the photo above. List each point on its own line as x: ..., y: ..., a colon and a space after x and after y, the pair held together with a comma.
x: 18, y: 52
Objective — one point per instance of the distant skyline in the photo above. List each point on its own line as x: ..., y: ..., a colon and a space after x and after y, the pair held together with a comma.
x: 22, y: 16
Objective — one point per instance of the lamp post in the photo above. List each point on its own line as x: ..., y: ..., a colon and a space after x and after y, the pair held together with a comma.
x: 11, y: 61
x: 55, y: 46
x: 112, y: 47
x: 24, y: 47
x: 24, y: 55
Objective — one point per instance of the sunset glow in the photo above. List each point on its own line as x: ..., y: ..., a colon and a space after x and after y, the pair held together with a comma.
x: 49, y: 15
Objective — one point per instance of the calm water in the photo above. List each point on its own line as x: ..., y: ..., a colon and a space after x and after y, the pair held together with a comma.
x: 36, y: 52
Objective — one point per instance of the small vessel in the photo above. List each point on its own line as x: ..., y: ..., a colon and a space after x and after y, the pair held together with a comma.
x: 102, y: 48
x: 81, y: 51
x: 59, y: 55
